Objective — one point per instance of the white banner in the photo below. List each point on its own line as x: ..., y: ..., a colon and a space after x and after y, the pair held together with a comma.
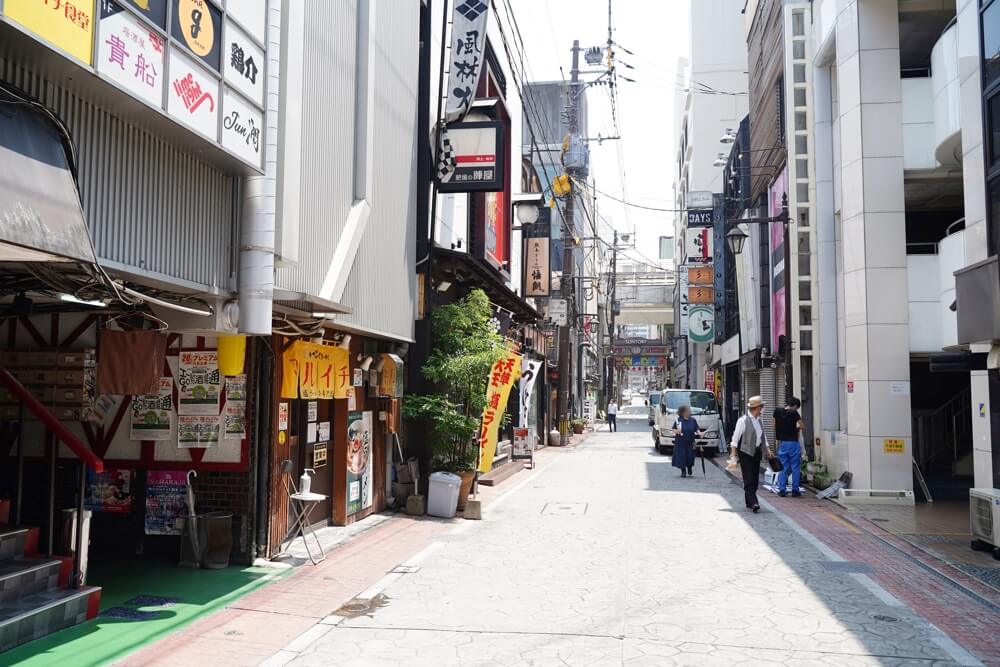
x: 682, y: 286
x: 468, y: 52
x: 529, y: 371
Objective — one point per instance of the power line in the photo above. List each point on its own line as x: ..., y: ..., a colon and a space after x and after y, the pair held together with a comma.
x: 632, y: 204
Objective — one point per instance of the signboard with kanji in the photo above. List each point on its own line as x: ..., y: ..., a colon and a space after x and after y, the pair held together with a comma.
x: 701, y: 295
x: 537, y: 260
x: 130, y: 54
x: 66, y: 24
x: 475, y: 148
x: 893, y: 446
x: 243, y: 64
x: 502, y: 377
x: 699, y: 245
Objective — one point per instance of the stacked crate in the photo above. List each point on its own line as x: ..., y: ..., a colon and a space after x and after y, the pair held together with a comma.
x: 62, y: 380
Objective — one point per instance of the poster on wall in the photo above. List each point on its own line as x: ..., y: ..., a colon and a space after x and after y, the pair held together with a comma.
x: 682, y: 295
x: 199, y: 383
x: 197, y: 431
x: 359, y: 461
x: 109, y: 491
x: 152, y: 414
x: 130, y: 54
x: 359, y: 378
x: 166, y: 501
x: 69, y: 26
x: 236, y: 389
x: 236, y: 422
x: 192, y: 95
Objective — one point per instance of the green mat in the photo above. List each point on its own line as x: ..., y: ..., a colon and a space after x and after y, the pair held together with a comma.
x: 190, y: 594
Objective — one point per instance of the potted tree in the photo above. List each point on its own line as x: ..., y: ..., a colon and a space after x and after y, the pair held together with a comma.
x: 466, y: 344
x: 578, y: 425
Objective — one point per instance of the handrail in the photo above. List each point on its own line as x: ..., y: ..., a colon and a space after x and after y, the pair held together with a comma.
x: 948, y: 231
x: 58, y: 428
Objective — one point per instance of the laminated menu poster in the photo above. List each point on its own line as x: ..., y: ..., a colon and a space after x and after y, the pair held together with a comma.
x: 359, y: 461
x: 197, y: 431
x: 166, y: 501
x: 236, y: 422
x: 236, y: 389
x: 152, y: 414
x: 199, y: 383
x: 109, y: 491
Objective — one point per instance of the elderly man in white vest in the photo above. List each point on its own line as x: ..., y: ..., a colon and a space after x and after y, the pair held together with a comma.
x: 749, y: 443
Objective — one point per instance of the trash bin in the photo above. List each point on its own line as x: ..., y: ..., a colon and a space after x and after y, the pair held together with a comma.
x: 66, y: 538
x: 442, y: 494
x: 218, y: 539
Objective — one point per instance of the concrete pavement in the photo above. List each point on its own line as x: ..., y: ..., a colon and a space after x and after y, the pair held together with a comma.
x: 607, y: 557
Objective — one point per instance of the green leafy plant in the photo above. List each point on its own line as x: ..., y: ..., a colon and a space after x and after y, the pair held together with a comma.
x: 465, y: 347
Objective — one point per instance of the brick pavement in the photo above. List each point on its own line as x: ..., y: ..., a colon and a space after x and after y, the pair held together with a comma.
x: 912, y: 575
x: 256, y: 626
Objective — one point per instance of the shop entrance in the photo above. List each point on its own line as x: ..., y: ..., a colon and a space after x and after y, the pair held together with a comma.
x: 311, y: 425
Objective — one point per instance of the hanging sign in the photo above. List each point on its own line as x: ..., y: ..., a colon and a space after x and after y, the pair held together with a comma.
x: 701, y: 324
x: 130, y: 54
x: 502, y: 377
x: 473, y: 151
x: 152, y: 414
x: 682, y: 293
x: 391, y: 376
x: 66, y: 25
x: 558, y: 311
x: 359, y: 461
x: 699, y: 245
x: 310, y: 370
x: 197, y: 24
x: 243, y: 63
x: 199, y: 383
x: 192, y: 96
x: 699, y: 217
x: 468, y: 53
x: 537, y: 257
x: 529, y: 373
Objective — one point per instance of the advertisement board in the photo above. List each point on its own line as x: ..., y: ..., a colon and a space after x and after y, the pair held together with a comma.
x: 193, y: 96
x: 130, y: 54
x: 475, y: 150
x: 359, y: 461
x: 698, y: 242
x: 66, y: 25
x: 775, y: 194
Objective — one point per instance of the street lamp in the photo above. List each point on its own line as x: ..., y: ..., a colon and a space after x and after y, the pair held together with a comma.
x: 728, y: 136
x: 735, y: 239
x: 720, y: 161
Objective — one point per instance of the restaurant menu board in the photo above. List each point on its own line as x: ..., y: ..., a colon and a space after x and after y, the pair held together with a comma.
x: 236, y: 389
x: 109, y: 491
x: 359, y: 461
x: 152, y: 414
x: 166, y: 502
x: 199, y: 383
x: 236, y: 422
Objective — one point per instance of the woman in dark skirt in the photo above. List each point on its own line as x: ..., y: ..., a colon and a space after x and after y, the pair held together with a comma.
x: 685, y: 432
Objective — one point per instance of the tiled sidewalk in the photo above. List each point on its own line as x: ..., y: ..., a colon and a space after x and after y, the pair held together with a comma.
x: 933, y: 588
x: 263, y: 622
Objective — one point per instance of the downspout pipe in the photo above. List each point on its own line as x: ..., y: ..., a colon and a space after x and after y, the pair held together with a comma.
x: 257, y: 231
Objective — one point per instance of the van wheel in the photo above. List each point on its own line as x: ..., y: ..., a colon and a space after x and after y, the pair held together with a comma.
x: 656, y: 441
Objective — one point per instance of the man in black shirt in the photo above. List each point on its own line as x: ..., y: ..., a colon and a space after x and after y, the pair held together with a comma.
x: 787, y: 426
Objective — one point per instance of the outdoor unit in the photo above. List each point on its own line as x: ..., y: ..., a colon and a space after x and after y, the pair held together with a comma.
x: 984, y: 519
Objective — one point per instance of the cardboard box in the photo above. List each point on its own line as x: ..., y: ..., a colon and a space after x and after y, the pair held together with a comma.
x: 71, y: 396
x: 66, y: 378
x: 77, y: 359
x: 36, y: 376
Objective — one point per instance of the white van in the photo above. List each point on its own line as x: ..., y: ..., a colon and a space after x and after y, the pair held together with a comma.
x: 704, y: 409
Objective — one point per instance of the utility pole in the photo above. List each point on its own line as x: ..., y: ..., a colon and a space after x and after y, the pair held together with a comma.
x: 566, y: 283
x: 612, y: 329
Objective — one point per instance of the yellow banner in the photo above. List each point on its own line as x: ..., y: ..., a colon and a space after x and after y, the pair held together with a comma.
x: 66, y: 24
x: 502, y: 377
x: 313, y: 371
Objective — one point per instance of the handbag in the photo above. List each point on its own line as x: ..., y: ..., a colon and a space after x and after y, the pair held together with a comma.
x: 774, y: 463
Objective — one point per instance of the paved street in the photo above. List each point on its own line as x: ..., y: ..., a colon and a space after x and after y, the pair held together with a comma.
x: 607, y: 557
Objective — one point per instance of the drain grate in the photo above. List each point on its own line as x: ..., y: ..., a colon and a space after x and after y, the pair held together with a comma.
x: 152, y: 601
x: 565, y: 509
x: 127, y: 614
x: 361, y: 607
x: 847, y: 566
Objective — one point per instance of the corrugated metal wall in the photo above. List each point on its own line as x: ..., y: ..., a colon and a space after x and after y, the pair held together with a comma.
x: 381, y: 289
x: 149, y: 205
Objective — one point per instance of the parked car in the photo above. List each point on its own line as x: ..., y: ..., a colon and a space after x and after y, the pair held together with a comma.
x: 704, y: 409
x: 653, y: 402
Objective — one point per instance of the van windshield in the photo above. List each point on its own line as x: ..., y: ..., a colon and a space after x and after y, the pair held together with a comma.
x: 654, y: 398
x: 701, y: 402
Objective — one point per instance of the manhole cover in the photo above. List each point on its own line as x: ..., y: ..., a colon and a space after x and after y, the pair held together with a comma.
x: 152, y: 601
x: 565, y: 509
x: 848, y: 566
x: 362, y: 607
x: 127, y: 614
x: 884, y: 618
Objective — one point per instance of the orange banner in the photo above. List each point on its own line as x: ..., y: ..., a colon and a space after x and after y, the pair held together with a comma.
x: 502, y: 377
x: 313, y: 371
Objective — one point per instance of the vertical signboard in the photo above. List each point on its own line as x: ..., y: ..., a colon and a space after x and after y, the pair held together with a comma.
x: 682, y: 288
x: 699, y: 245
x: 775, y: 196
x: 130, y: 54
x: 537, y: 257
x: 243, y: 63
x: 66, y: 25
x: 193, y: 96
x: 359, y: 461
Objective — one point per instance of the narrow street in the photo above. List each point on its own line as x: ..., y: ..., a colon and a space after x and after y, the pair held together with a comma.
x: 608, y: 557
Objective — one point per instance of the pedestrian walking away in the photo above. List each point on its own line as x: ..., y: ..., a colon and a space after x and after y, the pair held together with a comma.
x: 788, y: 432
x: 685, y: 432
x: 749, y: 443
x: 613, y: 416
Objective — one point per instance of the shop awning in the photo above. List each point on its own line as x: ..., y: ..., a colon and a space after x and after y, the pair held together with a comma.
x: 306, y: 305
x: 41, y: 218
x: 468, y: 272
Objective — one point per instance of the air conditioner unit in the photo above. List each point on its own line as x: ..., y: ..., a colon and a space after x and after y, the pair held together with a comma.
x: 984, y: 520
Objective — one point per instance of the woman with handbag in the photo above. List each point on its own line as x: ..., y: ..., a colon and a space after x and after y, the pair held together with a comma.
x: 749, y: 443
x: 685, y: 432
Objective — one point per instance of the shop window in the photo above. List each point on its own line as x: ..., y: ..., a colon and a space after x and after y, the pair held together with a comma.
x: 991, y: 44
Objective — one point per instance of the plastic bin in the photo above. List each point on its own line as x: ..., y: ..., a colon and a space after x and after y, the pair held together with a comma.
x: 442, y: 494
x: 218, y: 539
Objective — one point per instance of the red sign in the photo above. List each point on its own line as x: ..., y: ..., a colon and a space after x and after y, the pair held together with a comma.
x: 710, y: 380
x: 850, y: 386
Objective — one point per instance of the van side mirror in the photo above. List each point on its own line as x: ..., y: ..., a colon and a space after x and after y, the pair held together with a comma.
x: 645, y: 402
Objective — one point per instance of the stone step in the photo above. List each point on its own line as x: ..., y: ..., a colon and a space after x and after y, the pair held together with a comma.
x: 41, y: 614
x: 12, y: 543
x: 22, y: 577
